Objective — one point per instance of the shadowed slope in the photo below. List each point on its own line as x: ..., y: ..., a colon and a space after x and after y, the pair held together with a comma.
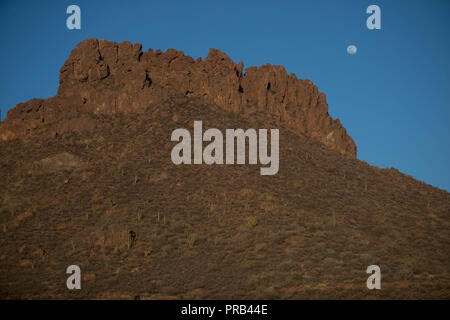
x: 204, y: 231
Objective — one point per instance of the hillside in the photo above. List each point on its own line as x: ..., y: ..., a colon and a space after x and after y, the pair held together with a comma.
x: 83, y: 169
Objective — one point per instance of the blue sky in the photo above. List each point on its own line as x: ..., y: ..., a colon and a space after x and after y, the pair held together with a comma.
x: 393, y: 96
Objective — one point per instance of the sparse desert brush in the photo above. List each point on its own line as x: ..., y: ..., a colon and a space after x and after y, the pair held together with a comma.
x: 269, y: 197
x: 158, y: 218
x: 94, y: 209
x: 333, y: 219
x: 111, y: 202
x: 434, y: 218
x: 120, y: 166
x: 297, y: 184
x: 192, y: 239
x: 211, y: 208
x: 148, y: 251
x: 308, y: 156
x: 251, y: 222
x: 177, y: 227
x: 131, y: 239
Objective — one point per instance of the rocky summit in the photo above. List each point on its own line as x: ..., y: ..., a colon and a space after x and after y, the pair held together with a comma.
x: 107, y: 77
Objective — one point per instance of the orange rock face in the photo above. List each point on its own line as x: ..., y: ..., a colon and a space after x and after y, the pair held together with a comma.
x: 108, y: 77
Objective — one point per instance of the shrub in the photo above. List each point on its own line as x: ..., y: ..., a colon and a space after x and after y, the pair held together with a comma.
x: 251, y: 222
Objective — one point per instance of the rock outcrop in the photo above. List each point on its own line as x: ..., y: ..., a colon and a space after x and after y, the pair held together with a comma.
x: 107, y: 77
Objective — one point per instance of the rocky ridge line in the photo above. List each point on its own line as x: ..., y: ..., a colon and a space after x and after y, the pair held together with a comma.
x: 108, y: 77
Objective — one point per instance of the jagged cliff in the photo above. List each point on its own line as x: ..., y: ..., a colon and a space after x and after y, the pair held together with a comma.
x: 107, y: 77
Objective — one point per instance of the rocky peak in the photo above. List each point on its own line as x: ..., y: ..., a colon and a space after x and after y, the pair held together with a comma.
x: 109, y: 77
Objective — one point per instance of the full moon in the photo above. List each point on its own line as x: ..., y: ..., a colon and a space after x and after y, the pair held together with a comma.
x: 351, y: 49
